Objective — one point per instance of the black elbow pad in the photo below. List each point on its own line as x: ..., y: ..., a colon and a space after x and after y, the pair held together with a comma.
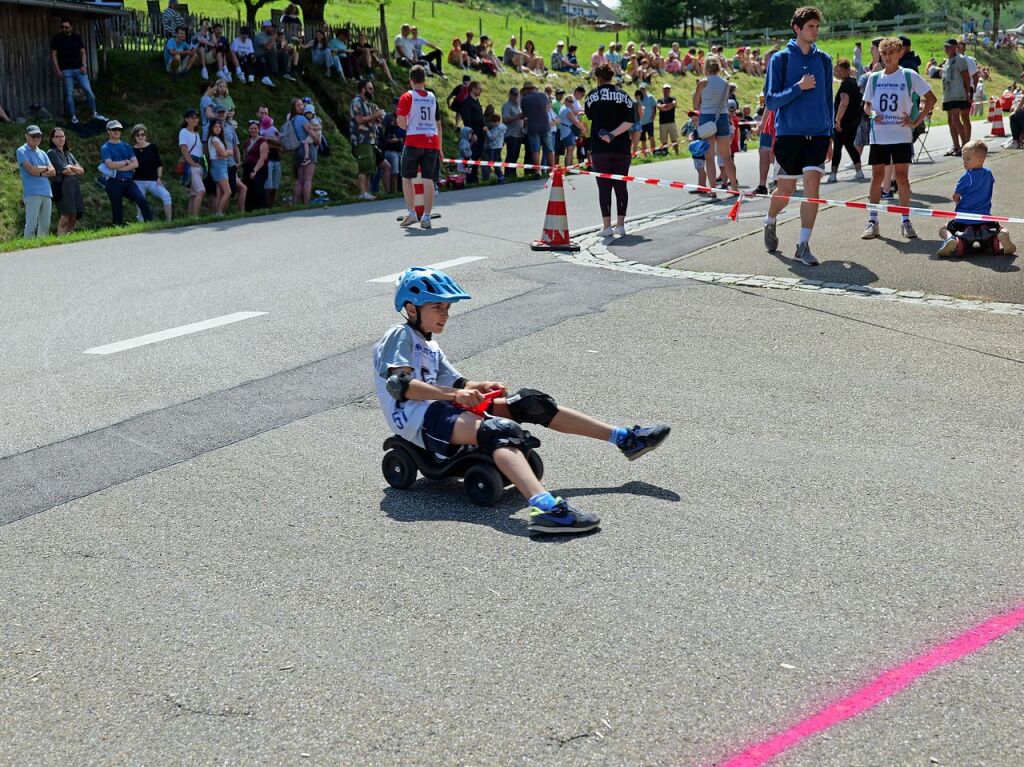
x: 398, y: 385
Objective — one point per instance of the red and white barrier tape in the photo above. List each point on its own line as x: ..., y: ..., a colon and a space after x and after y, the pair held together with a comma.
x: 740, y: 195
x: 496, y: 164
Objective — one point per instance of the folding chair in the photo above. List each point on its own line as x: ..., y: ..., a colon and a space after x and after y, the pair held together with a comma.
x: 922, y: 142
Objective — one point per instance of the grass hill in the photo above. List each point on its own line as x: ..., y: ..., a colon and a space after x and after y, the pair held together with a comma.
x: 135, y: 88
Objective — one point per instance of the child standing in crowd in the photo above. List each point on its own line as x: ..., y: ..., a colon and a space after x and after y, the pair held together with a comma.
x: 425, y: 400
x: 699, y: 151
x: 495, y: 141
x: 973, y: 194
x: 466, y: 141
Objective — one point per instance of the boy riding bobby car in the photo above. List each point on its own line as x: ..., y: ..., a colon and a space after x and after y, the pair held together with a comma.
x: 427, y: 402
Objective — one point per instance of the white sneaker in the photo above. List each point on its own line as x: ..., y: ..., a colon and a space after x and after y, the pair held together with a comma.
x: 831, y: 178
x: 252, y: 78
x: 948, y: 248
x: 204, y: 73
x: 606, y: 232
x: 619, y: 230
x: 366, y: 196
x: 268, y: 82
x: 907, y: 230
x: 425, y: 222
x: 870, y: 231
x: 410, y: 219
x: 227, y: 76
x: 240, y: 73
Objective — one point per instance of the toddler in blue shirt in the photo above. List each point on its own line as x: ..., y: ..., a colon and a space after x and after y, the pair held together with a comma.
x: 973, y: 194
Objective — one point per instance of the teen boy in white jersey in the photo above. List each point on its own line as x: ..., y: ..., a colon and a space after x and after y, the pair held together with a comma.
x: 417, y: 116
x: 890, y: 105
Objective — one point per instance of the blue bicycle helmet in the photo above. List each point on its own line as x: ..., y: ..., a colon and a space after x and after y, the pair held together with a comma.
x: 420, y: 285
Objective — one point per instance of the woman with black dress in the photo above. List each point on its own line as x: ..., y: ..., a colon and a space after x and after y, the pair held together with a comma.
x: 611, y: 113
x: 67, y: 191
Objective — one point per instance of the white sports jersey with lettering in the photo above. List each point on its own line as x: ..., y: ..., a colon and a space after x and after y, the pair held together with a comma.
x: 422, y: 115
x: 890, y: 101
x: 404, y: 347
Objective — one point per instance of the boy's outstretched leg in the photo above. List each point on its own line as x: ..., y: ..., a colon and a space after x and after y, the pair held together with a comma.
x: 503, y: 438
x: 533, y: 406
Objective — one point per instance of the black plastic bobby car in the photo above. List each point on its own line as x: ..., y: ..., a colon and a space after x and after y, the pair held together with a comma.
x: 980, y: 238
x: 484, y: 483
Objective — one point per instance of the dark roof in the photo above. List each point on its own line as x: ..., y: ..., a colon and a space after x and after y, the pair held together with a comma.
x: 70, y: 6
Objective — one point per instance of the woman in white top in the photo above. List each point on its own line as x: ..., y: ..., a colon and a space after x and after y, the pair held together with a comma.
x: 190, y: 144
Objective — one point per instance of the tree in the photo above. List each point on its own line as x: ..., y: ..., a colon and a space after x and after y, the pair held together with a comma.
x: 656, y: 16
x: 997, y: 7
x: 251, y: 8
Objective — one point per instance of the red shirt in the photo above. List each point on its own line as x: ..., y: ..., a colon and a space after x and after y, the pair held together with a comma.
x: 734, y: 145
x: 412, y: 137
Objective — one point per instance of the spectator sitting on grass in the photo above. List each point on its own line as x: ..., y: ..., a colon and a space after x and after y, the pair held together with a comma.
x: 291, y: 23
x: 469, y: 48
x: 274, y: 59
x: 323, y: 56
x: 572, y: 62
x: 226, y: 57
x: 368, y: 57
x: 433, y: 58
x: 172, y: 19
x: 149, y: 175
x: 179, y: 55
x: 597, y: 58
x: 67, y: 191
x: 206, y: 49
x: 456, y: 56
x: 558, y: 63
x: 513, y: 57
x: 533, y: 61
x: 338, y: 45
x: 245, y: 54
x: 120, y: 158
x: 489, y: 62
x: 674, y: 65
x: 405, y: 51
x: 614, y: 58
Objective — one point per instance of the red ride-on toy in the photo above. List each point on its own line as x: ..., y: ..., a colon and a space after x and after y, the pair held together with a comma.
x: 979, y: 239
x: 483, y: 482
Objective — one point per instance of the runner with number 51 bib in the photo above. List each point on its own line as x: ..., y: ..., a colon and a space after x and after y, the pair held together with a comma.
x: 417, y: 116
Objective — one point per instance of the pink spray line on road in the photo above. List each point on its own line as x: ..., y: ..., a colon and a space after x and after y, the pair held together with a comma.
x: 881, y: 688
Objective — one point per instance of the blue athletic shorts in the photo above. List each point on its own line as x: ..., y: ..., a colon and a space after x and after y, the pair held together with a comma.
x: 438, y: 425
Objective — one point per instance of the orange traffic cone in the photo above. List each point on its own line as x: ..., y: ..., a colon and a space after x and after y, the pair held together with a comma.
x: 995, y: 118
x: 556, y: 222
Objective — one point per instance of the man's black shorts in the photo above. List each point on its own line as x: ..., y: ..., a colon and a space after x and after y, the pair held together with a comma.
x: 417, y: 160
x: 897, y: 154
x: 799, y: 154
x: 233, y: 179
x: 647, y: 130
x: 948, y: 105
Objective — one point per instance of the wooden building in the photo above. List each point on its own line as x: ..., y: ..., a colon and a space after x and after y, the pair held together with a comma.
x: 26, y: 27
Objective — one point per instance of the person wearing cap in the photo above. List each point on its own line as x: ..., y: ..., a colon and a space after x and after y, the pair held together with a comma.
x: 558, y: 63
x: 36, y: 171
x: 597, y: 58
x: 275, y: 60
x: 957, y: 94
x: 667, y: 131
x: 120, y: 159
x: 179, y: 53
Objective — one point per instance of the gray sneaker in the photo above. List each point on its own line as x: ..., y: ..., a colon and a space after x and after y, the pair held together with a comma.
x: 425, y: 221
x: 803, y: 253
x: 907, y: 230
x: 410, y: 220
x: 771, y: 239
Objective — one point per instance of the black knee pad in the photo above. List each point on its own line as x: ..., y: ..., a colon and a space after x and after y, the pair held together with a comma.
x: 532, y: 406
x: 500, y: 432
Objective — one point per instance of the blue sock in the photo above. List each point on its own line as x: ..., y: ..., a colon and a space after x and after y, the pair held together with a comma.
x: 544, y: 501
x: 618, y: 434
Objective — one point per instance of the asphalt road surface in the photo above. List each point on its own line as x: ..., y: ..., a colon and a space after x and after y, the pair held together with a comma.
x: 202, y: 564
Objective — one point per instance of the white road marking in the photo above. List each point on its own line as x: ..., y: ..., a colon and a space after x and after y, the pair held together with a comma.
x: 390, y: 278
x: 163, y: 335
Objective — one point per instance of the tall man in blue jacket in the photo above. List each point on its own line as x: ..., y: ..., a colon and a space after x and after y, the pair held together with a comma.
x: 799, y: 89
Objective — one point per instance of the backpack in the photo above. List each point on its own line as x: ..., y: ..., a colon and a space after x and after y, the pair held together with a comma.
x: 915, y: 100
x: 456, y: 97
x: 289, y: 141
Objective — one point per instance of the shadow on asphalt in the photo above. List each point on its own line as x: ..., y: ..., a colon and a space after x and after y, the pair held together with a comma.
x: 849, y: 272
x: 633, y: 487
x: 444, y: 501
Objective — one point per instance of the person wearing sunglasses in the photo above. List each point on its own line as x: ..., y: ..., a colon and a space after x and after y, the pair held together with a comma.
x: 67, y: 52
x: 149, y: 176
x: 120, y: 159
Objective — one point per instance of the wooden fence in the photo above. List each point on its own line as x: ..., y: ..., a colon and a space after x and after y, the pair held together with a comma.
x: 143, y: 31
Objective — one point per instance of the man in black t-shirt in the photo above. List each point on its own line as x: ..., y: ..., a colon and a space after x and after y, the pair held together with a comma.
x: 67, y: 52
x: 667, y: 118
x: 849, y: 111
